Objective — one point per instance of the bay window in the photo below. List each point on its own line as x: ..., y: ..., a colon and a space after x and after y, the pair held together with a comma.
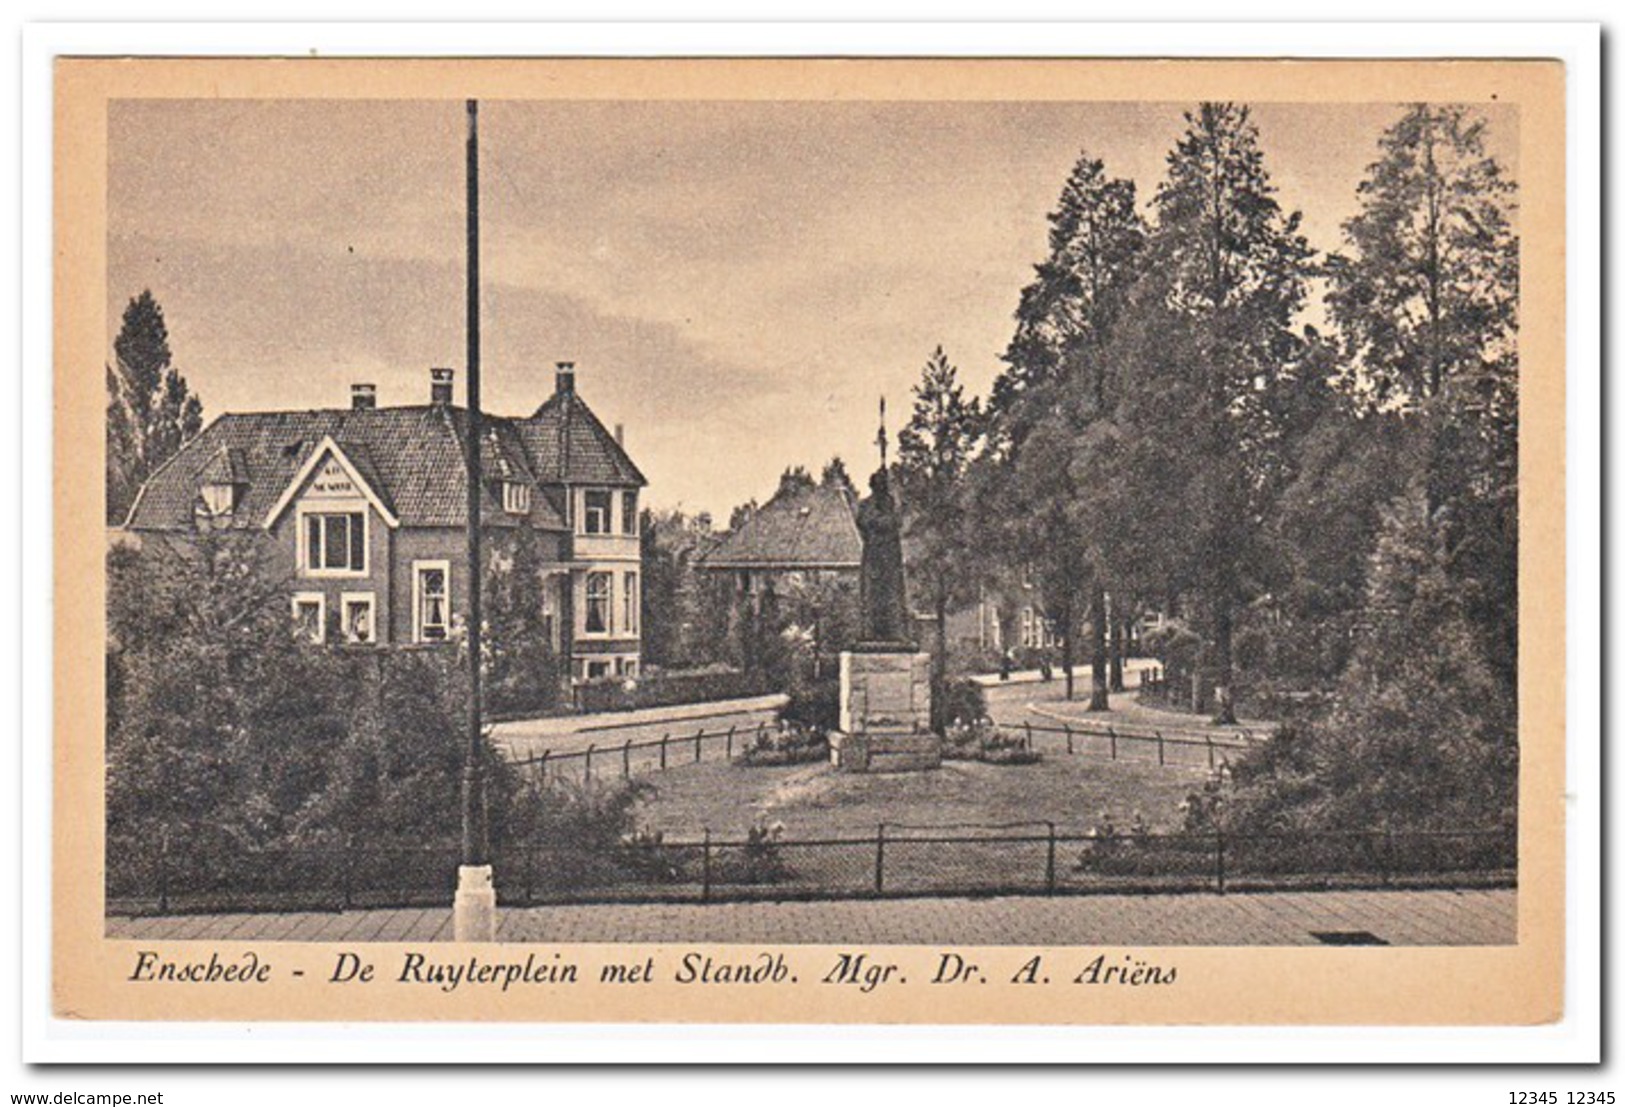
x: 629, y: 622
x: 598, y: 603
x: 595, y: 511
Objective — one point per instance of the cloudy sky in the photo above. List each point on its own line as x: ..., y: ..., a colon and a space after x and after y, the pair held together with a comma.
x: 737, y: 282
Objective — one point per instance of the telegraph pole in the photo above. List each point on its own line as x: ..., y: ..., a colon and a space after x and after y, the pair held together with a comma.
x: 474, y: 913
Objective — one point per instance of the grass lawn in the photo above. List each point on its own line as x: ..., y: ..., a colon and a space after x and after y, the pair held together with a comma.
x: 815, y: 801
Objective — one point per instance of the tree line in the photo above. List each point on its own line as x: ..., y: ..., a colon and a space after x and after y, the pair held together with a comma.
x: 1308, y: 461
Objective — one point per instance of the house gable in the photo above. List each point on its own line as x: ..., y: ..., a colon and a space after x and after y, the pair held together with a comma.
x: 329, y: 473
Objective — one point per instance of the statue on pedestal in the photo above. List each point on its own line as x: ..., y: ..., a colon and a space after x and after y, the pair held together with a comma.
x: 881, y: 592
x: 885, y: 681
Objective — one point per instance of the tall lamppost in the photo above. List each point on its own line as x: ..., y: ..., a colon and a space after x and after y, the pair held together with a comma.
x: 474, y: 913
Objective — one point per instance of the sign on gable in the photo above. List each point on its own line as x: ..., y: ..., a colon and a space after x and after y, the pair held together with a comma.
x: 331, y: 482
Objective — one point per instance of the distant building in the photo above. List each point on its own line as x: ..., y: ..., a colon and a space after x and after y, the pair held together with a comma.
x: 796, y: 558
x: 365, y: 508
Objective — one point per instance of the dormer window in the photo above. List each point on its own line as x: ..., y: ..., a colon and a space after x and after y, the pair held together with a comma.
x: 220, y: 484
x: 219, y: 500
x: 515, y: 497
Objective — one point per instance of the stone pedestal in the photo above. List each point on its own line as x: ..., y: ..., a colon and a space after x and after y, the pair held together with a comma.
x: 885, y: 712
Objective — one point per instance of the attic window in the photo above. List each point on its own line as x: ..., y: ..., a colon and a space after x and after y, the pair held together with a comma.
x: 515, y: 497
x: 219, y: 500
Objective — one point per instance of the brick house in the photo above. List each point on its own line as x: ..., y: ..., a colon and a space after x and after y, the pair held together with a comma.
x: 365, y: 511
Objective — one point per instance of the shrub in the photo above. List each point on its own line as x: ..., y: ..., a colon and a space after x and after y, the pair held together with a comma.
x: 964, y: 700
x: 982, y: 741
x: 759, y: 862
x: 786, y: 744
x: 815, y: 705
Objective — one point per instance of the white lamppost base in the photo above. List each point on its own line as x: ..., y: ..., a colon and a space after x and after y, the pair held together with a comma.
x: 474, y: 912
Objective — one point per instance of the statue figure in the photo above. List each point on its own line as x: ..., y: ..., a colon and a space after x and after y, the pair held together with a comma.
x: 881, y: 597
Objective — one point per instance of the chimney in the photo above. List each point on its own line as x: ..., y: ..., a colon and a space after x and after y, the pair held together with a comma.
x: 363, y: 397
x: 620, y: 435
x: 440, y: 386
x: 564, y: 381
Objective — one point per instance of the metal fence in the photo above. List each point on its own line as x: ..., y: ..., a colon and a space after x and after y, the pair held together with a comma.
x: 1110, y: 741
x: 895, y: 861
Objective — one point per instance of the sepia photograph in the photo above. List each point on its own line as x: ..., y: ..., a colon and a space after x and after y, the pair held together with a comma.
x: 726, y: 524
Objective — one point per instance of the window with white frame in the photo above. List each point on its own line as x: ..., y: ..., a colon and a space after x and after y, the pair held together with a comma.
x: 334, y: 543
x: 598, y: 603
x: 219, y: 499
x: 629, y: 511
x: 310, y: 616
x: 596, y: 505
x: 629, y: 589
x: 515, y: 497
x: 358, y: 616
x: 597, y: 670
x: 431, y: 601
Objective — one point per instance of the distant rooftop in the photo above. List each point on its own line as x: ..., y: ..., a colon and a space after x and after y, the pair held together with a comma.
x: 800, y: 528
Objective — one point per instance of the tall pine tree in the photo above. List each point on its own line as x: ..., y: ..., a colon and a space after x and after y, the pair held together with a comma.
x: 151, y: 412
x: 934, y: 453
x: 1426, y: 294
x: 1231, y: 269
x: 1060, y: 382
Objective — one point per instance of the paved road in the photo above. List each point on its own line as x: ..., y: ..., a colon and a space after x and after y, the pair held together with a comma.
x: 1044, y: 706
x: 1025, y: 700
x: 528, y: 738
x: 1456, y: 918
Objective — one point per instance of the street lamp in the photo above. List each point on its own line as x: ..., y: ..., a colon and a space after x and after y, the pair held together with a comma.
x: 474, y: 912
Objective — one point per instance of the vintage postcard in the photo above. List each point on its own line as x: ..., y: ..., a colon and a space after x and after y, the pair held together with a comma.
x: 974, y: 541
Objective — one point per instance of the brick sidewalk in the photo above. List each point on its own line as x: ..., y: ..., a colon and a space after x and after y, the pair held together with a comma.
x: 1457, y: 918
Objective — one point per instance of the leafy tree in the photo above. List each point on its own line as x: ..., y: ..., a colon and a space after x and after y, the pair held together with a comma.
x: 685, y: 610
x: 1231, y: 270
x: 521, y: 669
x: 1428, y: 287
x: 934, y: 452
x: 1052, y: 408
x: 1424, y: 734
x: 1427, y: 293
x: 741, y: 513
x: 1095, y: 240
x: 835, y: 473
x: 795, y: 480
x: 150, y: 410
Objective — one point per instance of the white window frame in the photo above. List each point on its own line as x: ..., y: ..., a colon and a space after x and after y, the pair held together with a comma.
x: 371, y: 600
x: 418, y: 569
x: 629, y: 602
x: 219, y: 500
x: 608, y: 525
x: 588, y: 663
x: 609, y: 604
x: 302, y: 537
x: 319, y: 599
x: 628, y: 503
x: 515, y: 497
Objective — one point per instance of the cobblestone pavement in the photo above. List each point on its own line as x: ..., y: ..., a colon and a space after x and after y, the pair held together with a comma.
x: 1468, y: 917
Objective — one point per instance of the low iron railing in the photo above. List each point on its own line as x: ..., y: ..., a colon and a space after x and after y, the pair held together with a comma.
x: 894, y: 861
